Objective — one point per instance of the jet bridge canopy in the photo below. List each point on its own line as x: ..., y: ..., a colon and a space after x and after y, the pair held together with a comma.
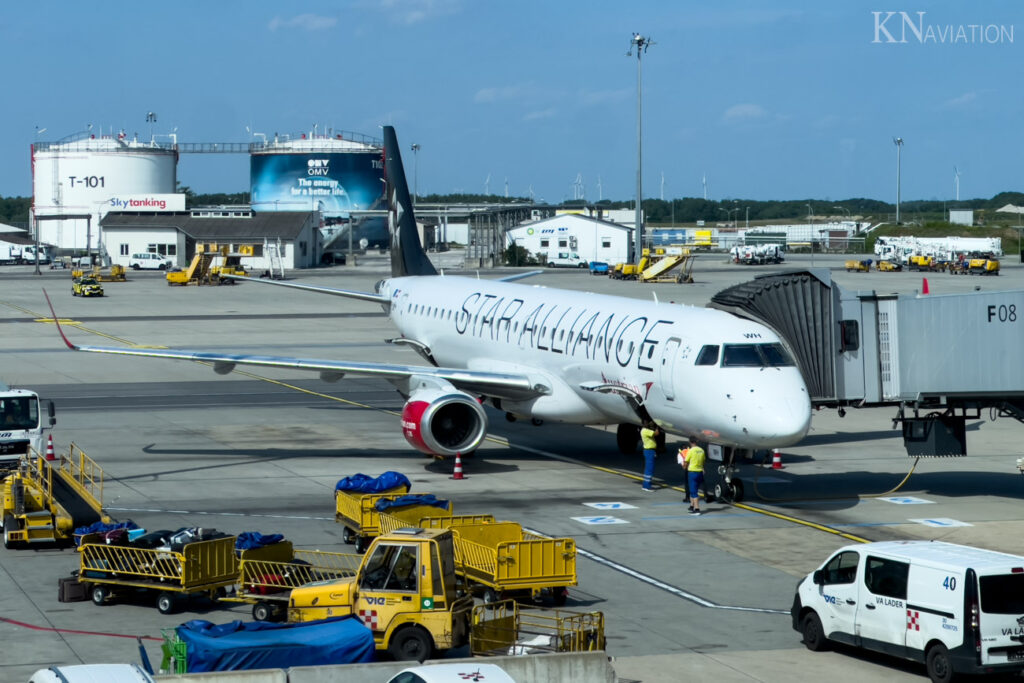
x: 935, y: 353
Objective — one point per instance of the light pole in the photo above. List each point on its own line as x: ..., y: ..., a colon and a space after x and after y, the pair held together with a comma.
x: 415, y: 172
x: 899, y: 149
x: 641, y: 44
x: 728, y: 215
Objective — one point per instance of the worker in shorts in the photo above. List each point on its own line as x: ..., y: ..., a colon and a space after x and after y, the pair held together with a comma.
x: 694, y: 477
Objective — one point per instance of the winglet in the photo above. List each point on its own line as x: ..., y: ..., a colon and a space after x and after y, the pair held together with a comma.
x: 57, y: 323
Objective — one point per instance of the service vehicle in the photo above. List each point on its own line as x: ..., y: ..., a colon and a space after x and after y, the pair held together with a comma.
x: 566, y: 259
x: 92, y: 673
x: 150, y: 261
x: 406, y: 592
x: 861, y: 266
x: 362, y: 515
x: 598, y: 268
x: 452, y: 673
x: 11, y: 253
x: 86, y: 286
x: 354, y: 505
x: 21, y: 425
x: 983, y: 265
x: 954, y: 608
x: 44, y: 501
x: 889, y: 266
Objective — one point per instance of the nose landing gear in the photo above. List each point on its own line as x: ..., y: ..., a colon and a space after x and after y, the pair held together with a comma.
x: 730, y: 488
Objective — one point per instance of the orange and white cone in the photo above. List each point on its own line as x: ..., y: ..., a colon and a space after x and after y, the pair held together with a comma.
x: 457, y: 473
x: 50, y: 455
x: 776, y: 459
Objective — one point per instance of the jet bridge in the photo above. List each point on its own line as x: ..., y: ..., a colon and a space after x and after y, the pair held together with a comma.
x: 939, y: 359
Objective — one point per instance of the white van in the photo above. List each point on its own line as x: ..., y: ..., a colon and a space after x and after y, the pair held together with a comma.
x: 92, y: 673
x: 151, y: 261
x: 566, y: 259
x: 955, y: 608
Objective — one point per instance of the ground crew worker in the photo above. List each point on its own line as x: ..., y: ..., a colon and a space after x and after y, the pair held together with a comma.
x: 695, y: 477
x: 649, y: 437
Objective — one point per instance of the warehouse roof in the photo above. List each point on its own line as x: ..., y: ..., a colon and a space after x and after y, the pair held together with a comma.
x: 566, y: 217
x: 284, y: 224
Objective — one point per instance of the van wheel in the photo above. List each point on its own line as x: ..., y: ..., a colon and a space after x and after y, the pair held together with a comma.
x: 135, y: 266
x: 411, y: 643
x: 814, y: 634
x: 937, y: 663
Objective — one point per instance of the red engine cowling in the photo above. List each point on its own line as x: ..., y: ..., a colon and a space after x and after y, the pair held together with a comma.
x: 444, y: 423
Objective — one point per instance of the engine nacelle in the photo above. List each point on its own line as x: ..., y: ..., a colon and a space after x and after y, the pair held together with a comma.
x: 439, y: 422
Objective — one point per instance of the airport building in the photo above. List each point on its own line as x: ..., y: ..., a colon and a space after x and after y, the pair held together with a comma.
x: 580, y: 237
x: 290, y: 238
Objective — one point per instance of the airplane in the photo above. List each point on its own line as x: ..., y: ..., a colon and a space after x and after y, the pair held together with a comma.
x: 550, y: 354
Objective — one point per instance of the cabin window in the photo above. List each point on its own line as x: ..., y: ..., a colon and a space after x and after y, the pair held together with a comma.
x: 650, y: 351
x: 543, y: 330
x: 545, y: 243
x: 606, y: 243
x: 561, y: 335
x: 849, y: 336
x: 708, y: 355
x: 886, y: 577
x: 563, y: 243
x: 776, y: 355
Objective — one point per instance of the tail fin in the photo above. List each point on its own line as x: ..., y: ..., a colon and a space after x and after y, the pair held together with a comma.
x: 407, y: 255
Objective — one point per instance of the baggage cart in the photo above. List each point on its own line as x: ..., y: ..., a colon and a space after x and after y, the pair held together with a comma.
x: 508, y: 628
x: 268, y: 574
x: 200, y: 568
x: 355, y: 510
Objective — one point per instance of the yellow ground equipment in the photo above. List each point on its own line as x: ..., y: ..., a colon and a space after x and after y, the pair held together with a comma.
x: 505, y: 559
x: 45, y: 501
x: 405, y: 592
x: 357, y: 512
x: 919, y: 262
x: 507, y: 628
x: 86, y: 286
x: 664, y: 269
x: 858, y: 266
x: 268, y: 574
x: 116, y: 274
x: 889, y: 266
x: 209, y: 267
x: 983, y: 266
x: 197, y: 273
x: 199, y: 568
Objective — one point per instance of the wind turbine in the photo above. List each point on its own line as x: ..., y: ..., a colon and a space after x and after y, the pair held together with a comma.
x: 506, y: 187
x: 577, y: 187
x: 487, y: 186
x: 600, y: 193
x: 956, y: 181
x: 704, y: 182
x: 662, y: 186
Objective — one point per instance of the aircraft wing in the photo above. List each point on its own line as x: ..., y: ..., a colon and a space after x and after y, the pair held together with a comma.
x: 349, y: 293
x: 496, y: 384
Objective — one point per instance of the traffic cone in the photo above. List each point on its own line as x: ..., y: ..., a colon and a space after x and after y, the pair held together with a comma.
x: 457, y: 473
x: 776, y: 459
x: 924, y: 285
x: 49, y: 448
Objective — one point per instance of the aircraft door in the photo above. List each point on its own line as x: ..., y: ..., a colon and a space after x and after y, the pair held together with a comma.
x: 668, y: 367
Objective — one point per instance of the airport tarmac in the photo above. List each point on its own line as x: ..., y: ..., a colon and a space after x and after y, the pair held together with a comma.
x: 261, y: 451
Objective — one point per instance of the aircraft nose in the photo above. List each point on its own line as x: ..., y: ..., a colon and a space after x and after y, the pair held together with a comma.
x: 783, y: 420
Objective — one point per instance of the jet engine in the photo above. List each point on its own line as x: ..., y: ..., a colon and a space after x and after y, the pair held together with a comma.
x: 443, y: 422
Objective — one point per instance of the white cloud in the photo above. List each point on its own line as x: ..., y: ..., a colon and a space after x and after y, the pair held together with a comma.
x: 962, y: 100
x: 542, y: 114
x: 592, y: 97
x: 504, y: 93
x: 742, y: 113
x: 415, y: 11
x: 306, y: 22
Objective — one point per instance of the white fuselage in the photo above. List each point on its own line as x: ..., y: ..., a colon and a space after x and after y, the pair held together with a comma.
x: 568, y: 339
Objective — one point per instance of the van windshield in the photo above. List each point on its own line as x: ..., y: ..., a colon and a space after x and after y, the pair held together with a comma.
x: 1002, y: 594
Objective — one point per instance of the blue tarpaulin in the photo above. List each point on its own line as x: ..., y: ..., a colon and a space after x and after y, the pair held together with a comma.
x: 364, y: 483
x: 101, y: 527
x: 242, y: 646
x: 247, y: 540
x: 412, y: 499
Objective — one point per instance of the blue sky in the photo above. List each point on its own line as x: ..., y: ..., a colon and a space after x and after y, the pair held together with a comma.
x: 780, y: 100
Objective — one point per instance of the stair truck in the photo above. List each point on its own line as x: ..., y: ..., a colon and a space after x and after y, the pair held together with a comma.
x: 21, y: 425
x: 406, y: 592
x: 45, y: 501
x: 502, y: 560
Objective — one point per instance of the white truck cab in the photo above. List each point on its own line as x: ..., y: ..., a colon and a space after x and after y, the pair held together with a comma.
x: 21, y: 424
x: 955, y: 608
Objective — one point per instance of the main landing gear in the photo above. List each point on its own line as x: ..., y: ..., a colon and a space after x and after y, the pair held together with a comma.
x: 628, y: 438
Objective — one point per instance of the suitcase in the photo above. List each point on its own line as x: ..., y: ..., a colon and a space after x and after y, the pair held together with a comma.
x: 70, y: 589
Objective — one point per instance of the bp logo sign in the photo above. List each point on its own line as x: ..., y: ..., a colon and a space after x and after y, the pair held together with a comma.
x: 428, y: 603
x: 529, y: 231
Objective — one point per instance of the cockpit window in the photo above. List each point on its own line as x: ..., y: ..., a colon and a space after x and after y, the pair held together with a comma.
x: 708, y: 355
x: 755, y: 356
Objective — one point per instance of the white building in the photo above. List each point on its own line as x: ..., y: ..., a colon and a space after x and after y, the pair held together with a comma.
x: 586, y: 239
x: 176, y: 234
x: 961, y: 216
